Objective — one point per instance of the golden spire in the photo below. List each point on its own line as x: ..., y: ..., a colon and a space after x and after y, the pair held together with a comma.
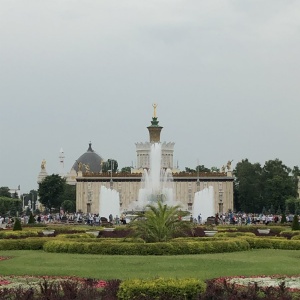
x: 154, y: 106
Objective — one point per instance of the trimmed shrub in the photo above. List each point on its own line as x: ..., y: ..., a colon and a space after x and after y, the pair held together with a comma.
x: 273, y: 243
x: 17, y: 225
x: 163, y: 248
x: 31, y: 219
x: 295, y: 224
x: 17, y: 234
x: 283, y: 219
x: 289, y: 233
x: 161, y: 288
x: 22, y: 244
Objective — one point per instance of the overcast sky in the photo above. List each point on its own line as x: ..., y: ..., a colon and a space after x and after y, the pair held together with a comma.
x: 225, y: 76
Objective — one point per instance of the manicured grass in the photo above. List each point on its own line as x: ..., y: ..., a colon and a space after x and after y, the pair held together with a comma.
x: 255, y: 262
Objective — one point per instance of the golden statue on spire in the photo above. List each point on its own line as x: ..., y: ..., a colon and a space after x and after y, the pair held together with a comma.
x: 154, y: 106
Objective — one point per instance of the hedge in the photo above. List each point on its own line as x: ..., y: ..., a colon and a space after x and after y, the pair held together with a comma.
x: 23, y: 244
x: 17, y: 234
x: 273, y: 243
x: 289, y: 233
x: 171, y: 248
x: 160, y: 288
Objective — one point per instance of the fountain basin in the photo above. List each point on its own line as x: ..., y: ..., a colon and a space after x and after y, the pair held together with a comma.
x: 109, y: 229
x: 264, y: 231
x: 210, y: 232
x: 94, y: 232
x: 48, y: 232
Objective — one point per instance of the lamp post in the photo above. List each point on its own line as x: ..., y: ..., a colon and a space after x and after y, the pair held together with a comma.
x: 23, y: 204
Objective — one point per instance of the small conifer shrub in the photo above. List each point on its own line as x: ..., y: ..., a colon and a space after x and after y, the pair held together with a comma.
x: 295, y: 224
x: 17, y: 225
x: 31, y: 219
x: 283, y: 219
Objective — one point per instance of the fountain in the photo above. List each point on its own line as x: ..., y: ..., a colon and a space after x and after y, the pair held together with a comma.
x: 109, y: 203
x: 204, y: 203
x: 157, y: 183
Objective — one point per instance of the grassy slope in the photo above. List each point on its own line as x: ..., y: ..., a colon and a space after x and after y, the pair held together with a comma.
x: 256, y: 262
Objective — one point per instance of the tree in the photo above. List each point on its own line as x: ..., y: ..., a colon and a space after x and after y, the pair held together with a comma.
x: 68, y: 206
x: 4, y: 192
x: 247, y: 187
x: 126, y: 170
x: 69, y: 193
x: 292, y: 204
x: 214, y: 169
x: 110, y: 164
x: 202, y: 169
x: 277, y: 183
x: 160, y: 223
x: 51, y: 191
x: 188, y: 170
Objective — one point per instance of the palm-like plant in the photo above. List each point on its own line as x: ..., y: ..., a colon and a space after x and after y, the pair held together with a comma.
x: 160, y: 223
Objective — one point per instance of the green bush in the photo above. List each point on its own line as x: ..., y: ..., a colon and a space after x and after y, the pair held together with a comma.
x: 161, y: 288
x: 234, y: 234
x: 163, y: 248
x: 296, y: 237
x: 22, y: 244
x: 289, y: 233
x: 17, y: 225
x: 17, y: 234
x: 295, y: 224
x: 283, y: 219
x: 272, y: 243
x: 31, y: 219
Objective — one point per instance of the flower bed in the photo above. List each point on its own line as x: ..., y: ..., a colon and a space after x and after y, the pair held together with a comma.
x: 290, y: 282
x: 35, y: 281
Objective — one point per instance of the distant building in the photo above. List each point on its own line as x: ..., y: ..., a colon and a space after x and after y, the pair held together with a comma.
x: 90, y: 178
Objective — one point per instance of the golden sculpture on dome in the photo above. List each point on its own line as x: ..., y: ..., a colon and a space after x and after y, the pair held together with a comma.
x: 43, y: 164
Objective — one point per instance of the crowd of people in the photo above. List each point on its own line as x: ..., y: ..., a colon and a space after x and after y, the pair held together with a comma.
x: 96, y: 220
x: 244, y: 219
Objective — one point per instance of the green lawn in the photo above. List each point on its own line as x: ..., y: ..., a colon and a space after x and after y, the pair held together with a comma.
x: 254, y: 262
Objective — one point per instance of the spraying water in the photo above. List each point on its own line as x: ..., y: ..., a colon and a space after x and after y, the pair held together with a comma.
x: 204, y: 203
x: 109, y: 203
x: 157, y: 183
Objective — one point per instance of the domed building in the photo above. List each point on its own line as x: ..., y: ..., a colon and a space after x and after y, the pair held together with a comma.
x: 89, y: 181
x: 89, y: 162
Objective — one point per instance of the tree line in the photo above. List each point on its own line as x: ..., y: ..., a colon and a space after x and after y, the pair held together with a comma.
x: 271, y: 188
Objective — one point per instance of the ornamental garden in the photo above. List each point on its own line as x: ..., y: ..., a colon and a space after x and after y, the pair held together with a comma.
x: 156, y: 256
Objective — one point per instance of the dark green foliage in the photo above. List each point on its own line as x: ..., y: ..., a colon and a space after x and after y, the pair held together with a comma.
x: 10, y: 206
x: 247, y: 186
x: 69, y: 193
x: 126, y: 170
x: 110, y: 164
x: 170, y: 248
x: 17, y: 225
x: 283, y: 218
x: 295, y: 224
x: 31, y: 219
x: 4, y: 192
x: 269, y: 186
x: 51, y: 191
x: 160, y: 223
x: 69, y: 206
x: 23, y: 244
